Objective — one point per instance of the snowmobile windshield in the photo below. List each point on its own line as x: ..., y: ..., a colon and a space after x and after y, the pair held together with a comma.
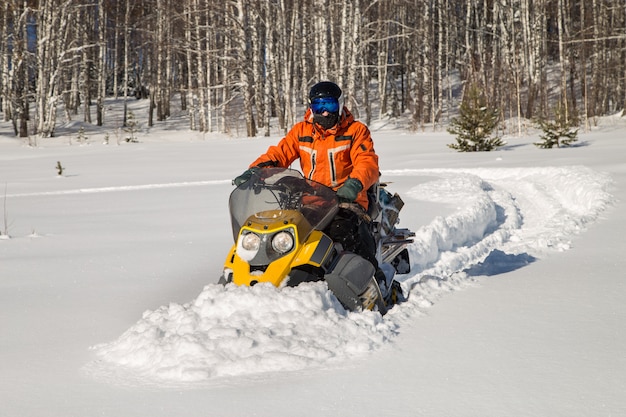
x: 282, y: 189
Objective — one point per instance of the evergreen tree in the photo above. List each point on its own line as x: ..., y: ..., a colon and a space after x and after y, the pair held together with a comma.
x: 475, y: 124
x: 131, y: 128
x: 560, y: 131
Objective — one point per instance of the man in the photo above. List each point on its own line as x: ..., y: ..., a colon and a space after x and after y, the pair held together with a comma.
x: 337, y: 151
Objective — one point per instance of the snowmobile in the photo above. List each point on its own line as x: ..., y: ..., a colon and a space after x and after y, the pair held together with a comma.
x: 278, y: 219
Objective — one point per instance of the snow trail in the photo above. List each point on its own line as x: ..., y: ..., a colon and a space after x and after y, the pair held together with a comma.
x: 505, y: 218
x: 121, y: 188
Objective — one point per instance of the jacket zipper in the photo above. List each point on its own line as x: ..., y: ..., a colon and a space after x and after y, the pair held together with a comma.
x: 313, y: 163
x: 333, y: 171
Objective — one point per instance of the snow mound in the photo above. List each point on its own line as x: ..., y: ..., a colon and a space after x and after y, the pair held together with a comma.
x: 503, y: 219
x: 230, y: 331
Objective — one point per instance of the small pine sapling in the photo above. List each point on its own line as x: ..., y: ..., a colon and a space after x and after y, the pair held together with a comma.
x: 131, y: 128
x: 80, y: 136
x: 561, y: 131
x: 476, y: 123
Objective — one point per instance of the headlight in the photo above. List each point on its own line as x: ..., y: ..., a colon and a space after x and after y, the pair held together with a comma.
x: 282, y: 242
x: 251, y: 242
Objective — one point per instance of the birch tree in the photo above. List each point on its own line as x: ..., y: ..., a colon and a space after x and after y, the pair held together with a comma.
x: 19, y: 64
x: 241, y: 20
x: 101, y: 62
x: 5, y: 58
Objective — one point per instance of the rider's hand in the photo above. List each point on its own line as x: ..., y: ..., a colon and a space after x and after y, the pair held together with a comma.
x: 349, y: 190
x: 247, y: 174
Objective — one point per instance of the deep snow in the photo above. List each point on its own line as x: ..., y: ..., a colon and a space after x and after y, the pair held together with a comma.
x: 109, y: 305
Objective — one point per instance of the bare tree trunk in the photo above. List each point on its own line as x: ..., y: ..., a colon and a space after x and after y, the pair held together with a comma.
x: 126, y: 60
x: 276, y: 61
x: 624, y: 66
x: 290, y: 53
x: 343, y: 44
x: 225, y: 90
x: 267, y: 59
x: 365, y: 80
x: 257, y: 52
x: 571, y: 52
x: 583, y: 48
x: 116, y: 50
x: 469, y: 49
x: 441, y: 51
x: 531, y: 53
x: 381, y: 63
x: 85, y: 65
x: 211, y: 68
x: 244, y: 70
x: 516, y: 69
x: 190, y: 13
x: 544, y: 107
x: 562, y: 62
x: 159, y: 40
x: 101, y: 64
x: 321, y: 42
x: 267, y: 93
x: 169, y: 55
x: 5, y: 103
x: 20, y: 67
x: 355, y: 49
x: 45, y: 30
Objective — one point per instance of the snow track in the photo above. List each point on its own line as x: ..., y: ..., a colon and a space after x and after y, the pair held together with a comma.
x: 120, y: 188
x: 503, y: 219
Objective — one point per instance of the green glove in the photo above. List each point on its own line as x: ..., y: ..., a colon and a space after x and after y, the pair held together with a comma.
x: 247, y: 174
x: 349, y: 190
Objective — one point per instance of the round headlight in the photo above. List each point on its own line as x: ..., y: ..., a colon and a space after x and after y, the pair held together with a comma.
x: 250, y: 241
x: 282, y: 242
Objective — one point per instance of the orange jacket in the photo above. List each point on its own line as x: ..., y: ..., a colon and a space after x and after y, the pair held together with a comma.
x: 328, y: 156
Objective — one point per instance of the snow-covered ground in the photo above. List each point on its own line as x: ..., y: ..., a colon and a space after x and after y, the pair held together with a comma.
x: 109, y: 305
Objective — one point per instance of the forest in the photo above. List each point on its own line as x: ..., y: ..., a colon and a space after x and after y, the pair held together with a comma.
x: 252, y: 62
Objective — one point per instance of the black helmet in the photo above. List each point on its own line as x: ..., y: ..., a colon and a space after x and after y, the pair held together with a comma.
x: 325, y: 89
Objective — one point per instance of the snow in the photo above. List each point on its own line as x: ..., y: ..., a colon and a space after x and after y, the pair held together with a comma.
x: 110, y: 304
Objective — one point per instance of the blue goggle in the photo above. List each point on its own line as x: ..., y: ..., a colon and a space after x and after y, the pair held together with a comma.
x: 321, y: 104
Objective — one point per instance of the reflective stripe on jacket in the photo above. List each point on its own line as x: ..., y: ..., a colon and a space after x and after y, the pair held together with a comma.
x: 328, y: 156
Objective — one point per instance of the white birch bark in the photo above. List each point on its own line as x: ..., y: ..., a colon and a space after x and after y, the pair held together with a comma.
x: 5, y: 59
x: 101, y: 63
x: 159, y: 40
x: 126, y: 85
x: 355, y: 50
x: 321, y: 38
x: 243, y: 68
x: 441, y: 50
x: 381, y: 60
x: 562, y: 59
x: 189, y: 13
